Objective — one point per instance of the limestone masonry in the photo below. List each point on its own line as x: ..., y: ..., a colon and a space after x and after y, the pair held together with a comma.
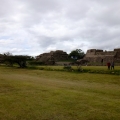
x: 49, y: 58
x: 102, y: 57
x: 93, y: 56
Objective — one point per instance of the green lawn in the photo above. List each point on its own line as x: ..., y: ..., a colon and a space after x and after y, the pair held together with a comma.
x: 58, y: 95
x: 84, y: 67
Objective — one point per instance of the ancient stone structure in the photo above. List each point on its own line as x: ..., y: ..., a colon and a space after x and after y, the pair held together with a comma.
x: 98, y: 57
x: 52, y: 57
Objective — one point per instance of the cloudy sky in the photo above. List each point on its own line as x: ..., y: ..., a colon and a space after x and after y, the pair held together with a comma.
x: 31, y: 27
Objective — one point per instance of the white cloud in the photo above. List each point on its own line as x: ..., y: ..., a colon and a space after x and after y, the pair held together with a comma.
x: 36, y: 26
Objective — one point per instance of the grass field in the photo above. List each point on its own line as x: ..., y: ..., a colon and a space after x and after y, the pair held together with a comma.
x: 58, y: 95
x: 84, y: 67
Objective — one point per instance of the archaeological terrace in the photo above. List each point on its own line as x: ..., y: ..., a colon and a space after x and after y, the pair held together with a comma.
x: 97, y: 56
x: 53, y: 56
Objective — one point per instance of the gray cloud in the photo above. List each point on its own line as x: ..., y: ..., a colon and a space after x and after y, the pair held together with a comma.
x: 36, y: 26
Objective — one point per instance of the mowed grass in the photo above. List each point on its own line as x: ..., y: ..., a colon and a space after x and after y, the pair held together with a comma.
x: 83, y: 67
x: 58, y: 95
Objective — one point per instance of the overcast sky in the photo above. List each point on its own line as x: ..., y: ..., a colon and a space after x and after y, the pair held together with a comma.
x: 31, y: 27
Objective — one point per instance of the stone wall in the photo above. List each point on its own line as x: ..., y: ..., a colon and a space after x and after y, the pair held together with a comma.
x: 94, y: 56
x: 98, y: 57
x: 57, y: 55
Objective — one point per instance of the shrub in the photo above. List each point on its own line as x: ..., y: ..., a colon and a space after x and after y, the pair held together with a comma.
x: 36, y: 63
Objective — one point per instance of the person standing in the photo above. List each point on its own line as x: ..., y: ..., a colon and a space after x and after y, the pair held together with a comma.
x: 102, y: 61
x: 112, y: 65
x: 108, y: 64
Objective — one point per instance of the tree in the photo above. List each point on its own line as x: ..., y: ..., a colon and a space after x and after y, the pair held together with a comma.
x: 77, y: 54
x: 19, y: 59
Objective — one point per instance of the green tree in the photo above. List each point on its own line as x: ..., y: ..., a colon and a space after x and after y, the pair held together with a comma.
x: 19, y: 59
x: 76, y: 54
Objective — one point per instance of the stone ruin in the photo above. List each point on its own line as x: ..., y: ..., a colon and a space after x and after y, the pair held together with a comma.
x: 52, y: 57
x: 93, y: 56
x: 100, y: 57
